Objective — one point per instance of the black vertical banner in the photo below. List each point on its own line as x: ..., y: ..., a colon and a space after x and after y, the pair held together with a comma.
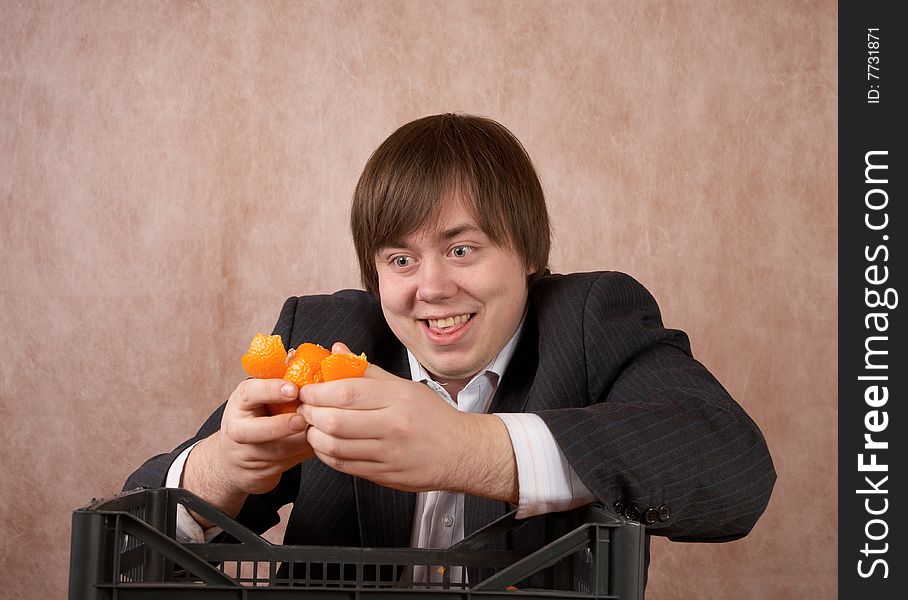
x: 873, y: 369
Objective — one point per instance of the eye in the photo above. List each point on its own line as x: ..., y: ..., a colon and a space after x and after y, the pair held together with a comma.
x: 401, y: 262
x: 462, y: 251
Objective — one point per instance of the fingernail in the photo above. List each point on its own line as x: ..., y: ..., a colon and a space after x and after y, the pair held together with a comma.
x: 296, y: 423
x: 288, y: 390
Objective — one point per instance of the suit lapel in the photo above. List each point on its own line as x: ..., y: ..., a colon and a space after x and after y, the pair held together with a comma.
x: 513, y: 393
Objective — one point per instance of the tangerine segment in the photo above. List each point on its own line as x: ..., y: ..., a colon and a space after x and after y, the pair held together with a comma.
x: 302, y: 372
x: 311, y: 353
x: 304, y: 364
x: 343, y: 366
x: 266, y: 357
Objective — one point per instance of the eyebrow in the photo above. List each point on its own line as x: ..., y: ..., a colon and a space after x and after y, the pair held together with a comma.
x: 448, y: 234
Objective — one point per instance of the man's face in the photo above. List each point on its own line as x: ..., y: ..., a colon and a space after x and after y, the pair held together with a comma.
x: 451, y: 295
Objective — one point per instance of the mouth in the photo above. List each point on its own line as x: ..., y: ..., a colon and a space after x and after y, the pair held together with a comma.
x: 447, y: 330
x: 448, y: 323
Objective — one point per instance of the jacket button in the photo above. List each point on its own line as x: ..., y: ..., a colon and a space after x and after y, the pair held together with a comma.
x: 664, y: 513
x: 650, y: 516
x: 619, y: 507
x: 632, y: 513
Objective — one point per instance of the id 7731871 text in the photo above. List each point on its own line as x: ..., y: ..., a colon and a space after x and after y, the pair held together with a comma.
x: 873, y: 65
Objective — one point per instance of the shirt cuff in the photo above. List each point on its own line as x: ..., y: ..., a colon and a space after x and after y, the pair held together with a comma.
x: 545, y: 481
x: 188, y: 529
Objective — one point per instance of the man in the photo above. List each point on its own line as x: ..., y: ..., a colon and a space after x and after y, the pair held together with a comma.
x: 493, y: 383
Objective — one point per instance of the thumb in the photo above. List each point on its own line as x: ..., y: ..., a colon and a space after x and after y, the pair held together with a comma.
x: 340, y: 348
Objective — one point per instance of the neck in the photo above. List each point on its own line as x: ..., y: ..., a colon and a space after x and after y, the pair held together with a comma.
x: 453, y: 387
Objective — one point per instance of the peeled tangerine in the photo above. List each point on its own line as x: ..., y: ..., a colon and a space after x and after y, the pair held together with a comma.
x: 309, y: 363
x: 266, y: 358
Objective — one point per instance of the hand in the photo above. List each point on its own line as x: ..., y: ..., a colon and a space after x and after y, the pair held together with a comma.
x: 251, y: 450
x: 400, y: 434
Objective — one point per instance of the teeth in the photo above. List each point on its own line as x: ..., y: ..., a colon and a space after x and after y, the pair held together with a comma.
x: 449, y: 322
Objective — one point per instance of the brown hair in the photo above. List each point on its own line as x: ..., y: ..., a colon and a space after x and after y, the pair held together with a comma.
x: 412, y: 173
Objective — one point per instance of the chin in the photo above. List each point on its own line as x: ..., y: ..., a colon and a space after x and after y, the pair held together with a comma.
x: 451, y: 371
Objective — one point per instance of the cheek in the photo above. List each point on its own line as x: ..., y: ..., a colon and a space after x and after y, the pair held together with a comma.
x: 394, y: 297
x: 511, y: 293
x: 509, y: 282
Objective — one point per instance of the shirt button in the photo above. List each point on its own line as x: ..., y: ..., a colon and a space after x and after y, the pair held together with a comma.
x: 447, y: 520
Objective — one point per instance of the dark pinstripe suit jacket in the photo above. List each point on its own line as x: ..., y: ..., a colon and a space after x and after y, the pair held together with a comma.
x: 638, y: 419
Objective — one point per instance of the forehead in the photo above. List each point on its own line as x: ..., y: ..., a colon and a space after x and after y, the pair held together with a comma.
x: 448, y: 223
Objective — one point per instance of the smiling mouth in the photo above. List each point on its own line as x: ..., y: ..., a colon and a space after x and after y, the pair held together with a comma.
x: 449, y: 323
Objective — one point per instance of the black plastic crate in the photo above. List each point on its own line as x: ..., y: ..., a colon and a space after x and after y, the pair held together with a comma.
x: 125, y: 548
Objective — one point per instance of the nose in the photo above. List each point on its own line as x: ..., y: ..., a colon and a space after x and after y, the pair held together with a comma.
x: 436, y: 282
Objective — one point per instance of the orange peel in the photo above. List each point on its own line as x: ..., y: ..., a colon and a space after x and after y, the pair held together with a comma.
x: 343, y: 366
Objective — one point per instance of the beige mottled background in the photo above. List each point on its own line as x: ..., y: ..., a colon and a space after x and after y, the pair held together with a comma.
x: 171, y: 171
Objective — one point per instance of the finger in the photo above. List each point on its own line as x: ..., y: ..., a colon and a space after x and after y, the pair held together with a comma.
x: 345, y: 424
x: 355, y: 394
x: 376, y: 372
x: 284, y: 451
x: 258, y: 430
x: 254, y: 393
x: 344, y: 450
x: 357, y: 468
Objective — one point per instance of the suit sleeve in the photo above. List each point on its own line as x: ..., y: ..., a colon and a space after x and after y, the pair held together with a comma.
x: 260, y: 511
x: 660, y: 430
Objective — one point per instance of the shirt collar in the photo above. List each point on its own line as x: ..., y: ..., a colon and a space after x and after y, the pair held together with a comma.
x: 496, y: 367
